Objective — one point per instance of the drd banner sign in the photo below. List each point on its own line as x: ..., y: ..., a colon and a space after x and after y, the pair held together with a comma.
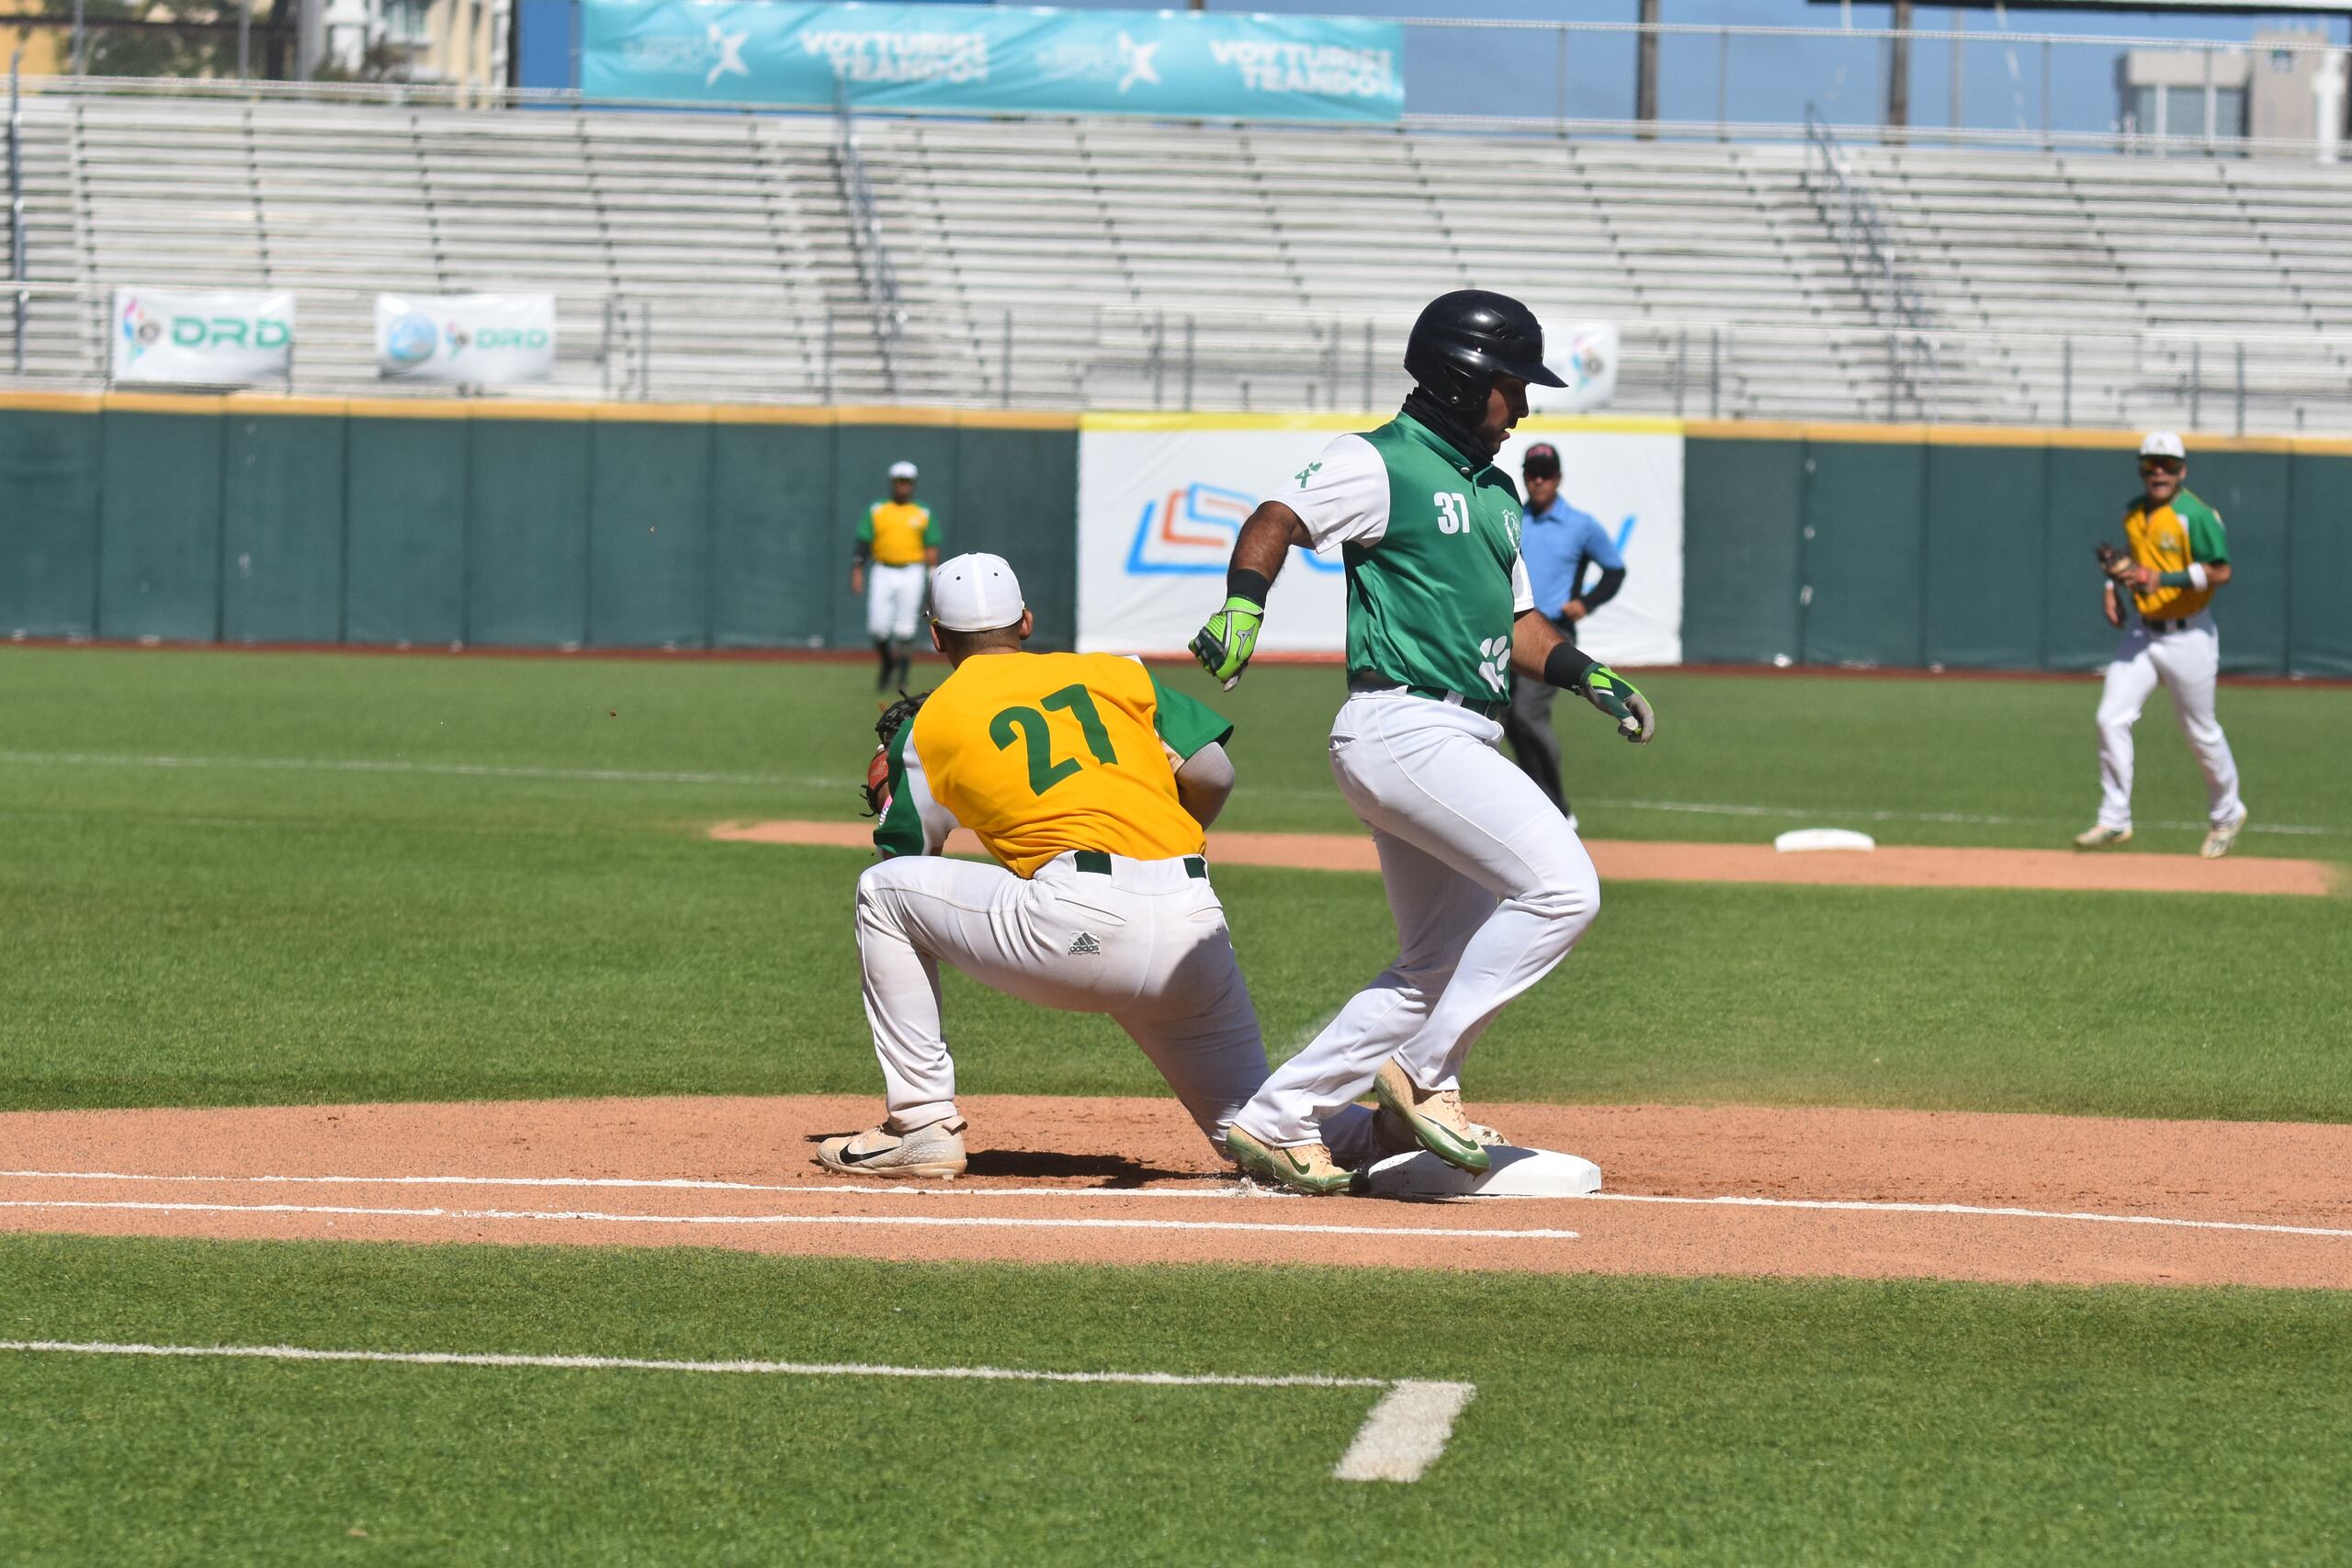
x: 995, y: 60
x: 223, y: 338
x: 479, y: 340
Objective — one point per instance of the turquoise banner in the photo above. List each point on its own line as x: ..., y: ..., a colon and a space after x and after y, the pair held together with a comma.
x: 1194, y: 65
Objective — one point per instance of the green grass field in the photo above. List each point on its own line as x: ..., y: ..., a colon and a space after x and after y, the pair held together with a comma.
x: 1709, y: 1421
x: 303, y: 878
x: 291, y: 878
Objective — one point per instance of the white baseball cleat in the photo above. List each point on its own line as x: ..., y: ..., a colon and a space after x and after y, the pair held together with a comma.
x: 2102, y: 837
x: 2223, y: 835
x: 935, y: 1151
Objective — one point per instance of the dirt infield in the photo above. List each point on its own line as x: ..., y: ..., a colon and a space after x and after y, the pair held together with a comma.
x: 1630, y: 861
x: 1691, y: 1191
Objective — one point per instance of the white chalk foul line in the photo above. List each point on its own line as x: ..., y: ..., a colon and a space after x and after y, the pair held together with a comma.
x: 1404, y: 1435
x: 634, y: 1364
x: 626, y: 775
x: 940, y: 1221
x: 1222, y: 1190
x: 393, y: 765
x: 1961, y: 818
x: 1889, y: 1207
x: 675, y: 1183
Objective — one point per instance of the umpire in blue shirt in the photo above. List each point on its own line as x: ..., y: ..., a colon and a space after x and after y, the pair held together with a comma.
x: 1559, y: 545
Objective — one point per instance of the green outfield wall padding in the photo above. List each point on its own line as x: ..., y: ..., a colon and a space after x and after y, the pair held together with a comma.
x: 499, y: 525
x: 444, y: 523
x: 48, y: 523
x: 1981, y: 602
x: 773, y: 535
x: 281, y: 528
x: 1016, y: 488
x: 2083, y: 493
x: 649, y: 535
x: 1863, y: 552
x: 526, y: 533
x: 159, y: 526
x: 1975, y: 555
x: 405, y: 522
x: 2251, y: 491
x: 1741, y: 531
x: 2319, y: 573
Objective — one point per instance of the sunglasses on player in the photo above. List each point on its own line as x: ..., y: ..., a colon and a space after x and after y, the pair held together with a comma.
x: 2161, y: 465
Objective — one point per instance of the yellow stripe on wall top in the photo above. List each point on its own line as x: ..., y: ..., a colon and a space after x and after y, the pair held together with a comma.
x: 150, y: 401
x: 1340, y: 424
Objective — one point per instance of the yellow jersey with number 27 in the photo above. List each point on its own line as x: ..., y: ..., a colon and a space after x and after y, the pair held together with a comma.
x: 1042, y: 753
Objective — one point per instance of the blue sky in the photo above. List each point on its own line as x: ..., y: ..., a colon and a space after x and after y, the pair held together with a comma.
x: 1464, y: 71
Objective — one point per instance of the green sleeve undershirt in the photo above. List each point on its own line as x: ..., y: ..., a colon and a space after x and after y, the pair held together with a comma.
x: 900, y: 830
x: 2207, y: 541
x: 1185, y: 723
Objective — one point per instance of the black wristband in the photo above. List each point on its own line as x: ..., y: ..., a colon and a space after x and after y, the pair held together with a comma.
x: 1241, y: 582
x: 1565, y: 665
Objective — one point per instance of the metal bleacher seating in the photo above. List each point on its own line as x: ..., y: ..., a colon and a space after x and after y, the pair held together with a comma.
x: 1053, y: 263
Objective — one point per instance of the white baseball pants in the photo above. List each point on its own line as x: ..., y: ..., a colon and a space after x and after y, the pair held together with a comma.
x: 1489, y: 887
x: 1146, y: 945
x: 893, y: 598
x: 2188, y: 662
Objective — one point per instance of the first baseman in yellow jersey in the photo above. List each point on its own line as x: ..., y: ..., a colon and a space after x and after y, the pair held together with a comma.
x: 1091, y: 783
x: 2177, y: 556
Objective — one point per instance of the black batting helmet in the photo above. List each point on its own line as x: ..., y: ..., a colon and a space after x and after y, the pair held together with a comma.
x: 1464, y: 340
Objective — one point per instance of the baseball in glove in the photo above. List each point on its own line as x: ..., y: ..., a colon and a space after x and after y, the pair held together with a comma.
x: 2115, y: 563
x: 877, y: 772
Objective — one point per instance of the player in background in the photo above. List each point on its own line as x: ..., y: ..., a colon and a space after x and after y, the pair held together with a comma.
x: 1090, y: 782
x: 897, y: 544
x: 1487, y: 883
x: 1559, y: 544
x: 2176, y: 556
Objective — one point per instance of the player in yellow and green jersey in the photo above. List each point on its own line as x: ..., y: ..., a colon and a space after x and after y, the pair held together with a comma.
x: 1090, y: 782
x: 897, y: 544
x: 2177, y: 556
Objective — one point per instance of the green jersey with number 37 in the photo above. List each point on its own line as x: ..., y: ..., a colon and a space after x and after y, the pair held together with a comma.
x: 1430, y: 541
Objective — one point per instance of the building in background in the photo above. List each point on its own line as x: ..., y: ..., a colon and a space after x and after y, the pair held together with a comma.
x: 2175, y: 97
x: 461, y: 41
x: 455, y: 41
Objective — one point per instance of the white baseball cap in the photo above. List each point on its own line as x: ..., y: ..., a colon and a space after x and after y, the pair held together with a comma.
x: 902, y: 469
x: 2163, y: 444
x: 974, y: 594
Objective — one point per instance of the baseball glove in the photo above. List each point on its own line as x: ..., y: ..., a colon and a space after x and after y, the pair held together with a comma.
x: 2112, y: 561
x: 877, y: 772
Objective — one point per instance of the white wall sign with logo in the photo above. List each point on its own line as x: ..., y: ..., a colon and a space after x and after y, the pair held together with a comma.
x: 1162, y: 497
x: 479, y: 340
x: 1586, y: 356
x: 221, y: 338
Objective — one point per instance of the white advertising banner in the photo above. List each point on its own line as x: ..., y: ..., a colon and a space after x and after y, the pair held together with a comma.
x: 479, y: 340
x: 1160, y: 499
x: 218, y: 338
x: 1586, y: 358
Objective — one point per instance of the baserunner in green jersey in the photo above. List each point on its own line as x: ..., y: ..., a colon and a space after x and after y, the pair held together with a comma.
x: 1489, y: 884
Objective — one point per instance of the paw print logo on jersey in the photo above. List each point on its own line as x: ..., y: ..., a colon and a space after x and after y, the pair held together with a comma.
x: 1493, y: 663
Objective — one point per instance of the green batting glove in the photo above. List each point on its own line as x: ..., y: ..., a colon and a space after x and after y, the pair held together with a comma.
x: 1614, y: 696
x: 1226, y: 644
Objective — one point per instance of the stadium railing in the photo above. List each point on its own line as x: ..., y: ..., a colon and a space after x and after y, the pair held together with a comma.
x: 690, y: 349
